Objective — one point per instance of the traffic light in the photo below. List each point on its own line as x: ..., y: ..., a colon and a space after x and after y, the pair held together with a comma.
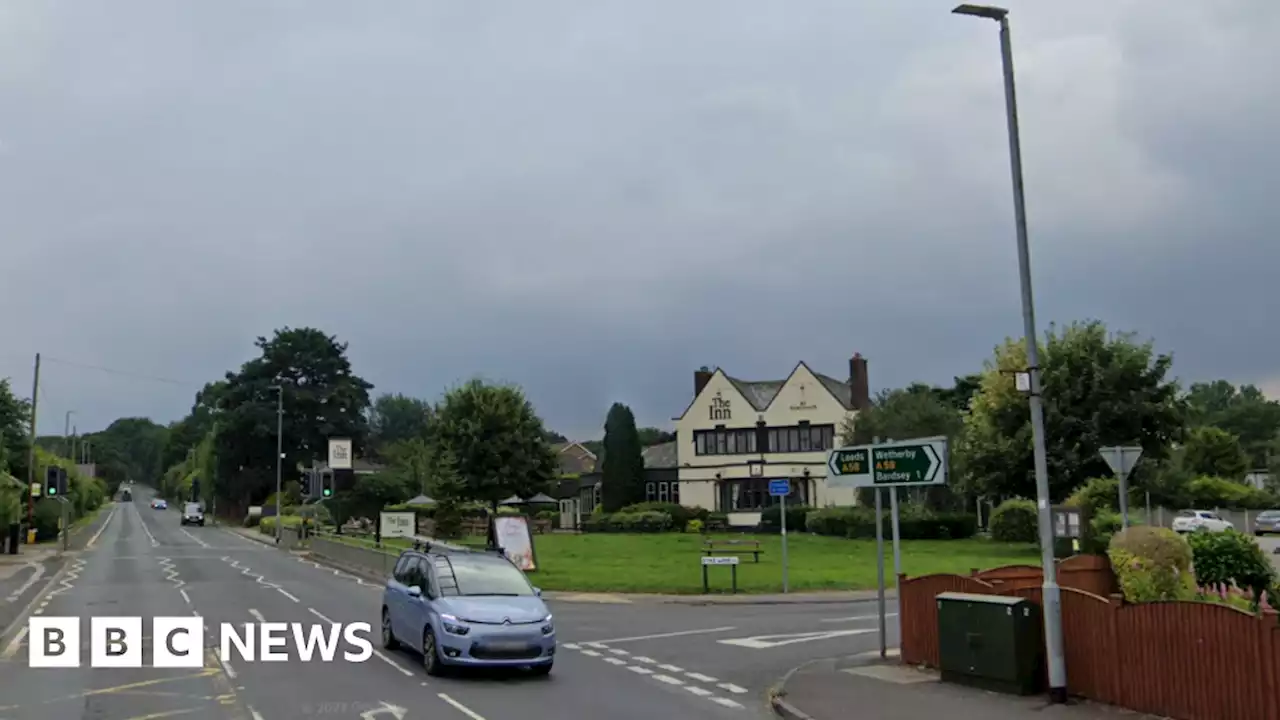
x: 308, y: 482
x: 326, y: 483
x: 55, y: 481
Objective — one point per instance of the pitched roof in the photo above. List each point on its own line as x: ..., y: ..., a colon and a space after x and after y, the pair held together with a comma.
x: 574, y: 458
x: 660, y: 457
x: 760, y: 393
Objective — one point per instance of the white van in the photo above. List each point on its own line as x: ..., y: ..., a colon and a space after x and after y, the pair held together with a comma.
x: 193, y: 514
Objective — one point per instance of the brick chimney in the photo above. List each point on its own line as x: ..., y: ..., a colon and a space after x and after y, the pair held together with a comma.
x: 859, y: 389
x: 700, y: 380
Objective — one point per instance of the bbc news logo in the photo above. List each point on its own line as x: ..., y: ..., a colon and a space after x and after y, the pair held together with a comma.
x: 178, y: 642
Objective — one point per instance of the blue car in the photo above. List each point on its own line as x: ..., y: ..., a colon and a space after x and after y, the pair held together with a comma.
x: 464, y: 608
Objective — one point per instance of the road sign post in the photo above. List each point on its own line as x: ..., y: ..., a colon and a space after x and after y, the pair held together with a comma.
x: 1122, y: 459
x: 780, y: 489
x: 730, y: 560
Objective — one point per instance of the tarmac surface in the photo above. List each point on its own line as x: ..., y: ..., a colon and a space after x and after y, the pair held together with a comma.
x: 625, y: 660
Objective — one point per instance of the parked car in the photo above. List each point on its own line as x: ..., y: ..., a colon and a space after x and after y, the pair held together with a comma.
x: 1268, y: 521
x: 467, y: 608
x: 1198, y: 520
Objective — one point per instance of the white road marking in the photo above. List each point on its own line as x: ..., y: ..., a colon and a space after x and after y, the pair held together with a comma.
x: 461, y: 708
x: 591, y: 653
x: 700, y: 677
x: 322, y: 617
x: 645, y: 659
x: 615, y: 661
x: 596, y: 645
x: 668, y: 679
x: 35, y: 577
x: 725, y: 702
x: 764, y: 642
x: 855, y: 618
x: 147, y: 530
x: 12, y: 649
x: 255, y: 714
x: 639, y: 670
x: 257, y: 615
x: 382, y: 656
x: 285, y: 593
x: 671, y: 668
x: 570, y: 646
x: 94, y: 539
x: 616, y: 651
x: 700, y: 692
x: 185, y: 596
x: 193, y: 537
x: 226, y: 667
x: 680, y: 633
x: 736, y: 689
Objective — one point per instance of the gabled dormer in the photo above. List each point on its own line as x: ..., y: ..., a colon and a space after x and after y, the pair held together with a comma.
x: 717, y: 401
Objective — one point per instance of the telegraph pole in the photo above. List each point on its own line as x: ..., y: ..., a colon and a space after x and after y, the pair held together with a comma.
x: 31, y: 452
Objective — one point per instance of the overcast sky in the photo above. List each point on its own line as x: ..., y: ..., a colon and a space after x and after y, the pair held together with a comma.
x: 592, y: 198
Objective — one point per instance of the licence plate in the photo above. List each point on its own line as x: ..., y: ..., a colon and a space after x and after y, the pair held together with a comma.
x: 507, y: 646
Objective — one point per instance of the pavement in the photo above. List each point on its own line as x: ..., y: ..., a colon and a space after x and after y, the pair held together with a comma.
x: 622, y: 660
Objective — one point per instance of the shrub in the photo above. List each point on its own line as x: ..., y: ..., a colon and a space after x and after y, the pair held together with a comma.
x: 680, y: 515
x: 694, y: 526
x: 1102, y: 527
x: 771, y: 518
x: 1209, y: 492
x: 914, y: 523
x: 638, y: 522
x: 1222, y: 560
x: 46, y: 517
x: 1097, y: 495
x: 1015, y: 521
x: 1152, y: 564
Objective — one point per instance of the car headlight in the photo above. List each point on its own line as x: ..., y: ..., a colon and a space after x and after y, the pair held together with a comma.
x: 453, y: 625
x: 547, y: 627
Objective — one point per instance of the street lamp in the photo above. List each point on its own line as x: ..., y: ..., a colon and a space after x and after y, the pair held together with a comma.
x: 1052, y: 593
x: 279, y: 454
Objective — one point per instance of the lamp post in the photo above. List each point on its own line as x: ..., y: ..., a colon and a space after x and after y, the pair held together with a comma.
x: 279, y: 454
x: 1051, y: 591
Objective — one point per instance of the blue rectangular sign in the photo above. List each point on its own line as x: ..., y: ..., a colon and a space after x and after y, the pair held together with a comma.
x: 780, y: 488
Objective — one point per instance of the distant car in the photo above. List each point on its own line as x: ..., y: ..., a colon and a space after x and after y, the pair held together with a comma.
x: 1267, y: 521
x: 467, y: 609
x: 126, y: 496
x: 1200, y: 520
x: 193, y: 514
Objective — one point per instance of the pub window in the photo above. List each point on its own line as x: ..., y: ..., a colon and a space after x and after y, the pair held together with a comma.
x: 700, y: 443
x: 664, y: 492
x: 648, y: 492
x: 675, y: 491
x: 753, y: 494
x: 732, y: 443
x: 721, y: 443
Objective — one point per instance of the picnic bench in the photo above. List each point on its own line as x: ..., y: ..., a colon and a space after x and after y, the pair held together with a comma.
x: 732, y: 547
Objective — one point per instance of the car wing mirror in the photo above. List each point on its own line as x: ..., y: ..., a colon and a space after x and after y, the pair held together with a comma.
x: 414, y: 591
x: 537, y: 591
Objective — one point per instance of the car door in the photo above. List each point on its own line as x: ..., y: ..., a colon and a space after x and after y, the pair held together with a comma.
x: 421, y: 607
x: 397, y: 597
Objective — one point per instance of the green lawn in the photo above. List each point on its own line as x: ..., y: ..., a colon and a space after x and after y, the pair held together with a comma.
x: 671, y: 562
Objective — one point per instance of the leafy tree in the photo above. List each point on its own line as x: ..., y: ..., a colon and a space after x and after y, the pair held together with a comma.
x: 374, y: 492
x: 497, y: 440
x: 622, y: 478
x: 395, y: 419
x: 1244, y: 412
x: 15, y: 429
x: 129, y: 448
x: 448, y: 490
x: 913, y: 412
x: 322, y: 398
x: 1098, y: 389
x: 411, y: 460
x: 650, y: 436
x: 554, y: 437
x: 1214, y: 452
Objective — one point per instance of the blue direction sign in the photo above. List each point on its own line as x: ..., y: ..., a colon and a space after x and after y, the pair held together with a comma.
x: 780, y: 488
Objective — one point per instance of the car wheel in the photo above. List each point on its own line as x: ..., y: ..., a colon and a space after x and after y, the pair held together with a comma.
x: 430, y: 653
x: 388, y: 637
x: 541, y: 670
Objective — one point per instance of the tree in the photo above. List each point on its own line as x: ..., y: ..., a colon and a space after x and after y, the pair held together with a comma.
x: 129, y: 448
x: 15, y: 429
x: 1244, y: 412
x: 1098, y: 389
x: 650, y: 436
x: 622, y: 478
x: 914, y: 412
x: 322, y: 399
x: 496, y: 439
x: 1214, y: 452
x: 411, y: 460
x: 447, y: 489
x: 395, y: 419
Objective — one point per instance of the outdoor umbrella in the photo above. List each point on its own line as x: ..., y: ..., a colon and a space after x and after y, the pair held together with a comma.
x: 513, y: 500
x: 421, y: 500
x: 542, y: 499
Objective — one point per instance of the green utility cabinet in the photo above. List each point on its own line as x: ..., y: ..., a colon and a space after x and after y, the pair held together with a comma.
x: 993, y: 642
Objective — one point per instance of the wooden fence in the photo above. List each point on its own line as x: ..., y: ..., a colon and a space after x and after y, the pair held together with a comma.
x: 1185, y: 660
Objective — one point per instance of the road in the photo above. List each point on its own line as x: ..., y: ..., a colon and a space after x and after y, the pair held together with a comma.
x: 622, y: 661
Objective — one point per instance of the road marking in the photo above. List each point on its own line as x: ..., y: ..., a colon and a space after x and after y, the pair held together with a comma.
x: 639, y: 670
x: 700, y: 692
x: 255, y: 714
x: 12, y: 648
x: 203, y: 544
x: 764, y: 642
x: 616, y: 651
x: 226, y: 667
x: 571, y: 646
x: 596, y: 645
x: 700, y: 677
x: 285, y: 593
x: 185, y: 596
x: 736, y: 689
x: 167, y: 713
x: 257, y: 615
x: 671, y: 668
x: 855, y: 618
x: 35, y: 577
x: 94, y: 539
x: 322, y: 617
x: 680, y: 633
x: 461, y: 708
x: 147, y: 530
x: 615, y: 661
x: 381, y: 656
x: 591, y: 653
x: 725, y: 702
x: 645, y: 659
x: 668, y: 679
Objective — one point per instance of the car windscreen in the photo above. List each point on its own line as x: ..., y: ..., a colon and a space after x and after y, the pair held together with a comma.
x: 489, y: 576
x: 1269, y: 515
x: 193, y: 508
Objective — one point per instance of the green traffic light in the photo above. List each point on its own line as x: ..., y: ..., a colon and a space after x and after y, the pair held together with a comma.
x: 53, y: 491
x: 327, y: 492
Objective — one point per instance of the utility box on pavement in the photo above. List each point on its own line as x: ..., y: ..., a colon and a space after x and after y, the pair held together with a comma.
x: 993, y: 642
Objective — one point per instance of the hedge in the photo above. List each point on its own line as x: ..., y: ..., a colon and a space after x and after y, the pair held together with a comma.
x: 913, y: 524
x: 771, y: 518
x: 629, y: 522
x: 680, y: 515
x: 1015, y: 520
